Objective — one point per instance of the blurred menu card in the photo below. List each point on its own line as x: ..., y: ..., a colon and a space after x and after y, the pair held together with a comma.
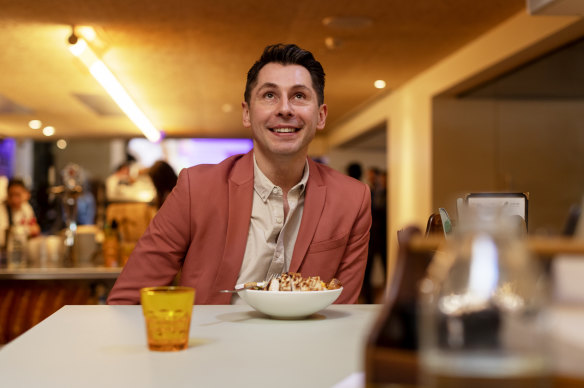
x: 509, y: 204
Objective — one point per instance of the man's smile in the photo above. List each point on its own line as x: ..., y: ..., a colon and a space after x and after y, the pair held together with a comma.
x: 284, y: 130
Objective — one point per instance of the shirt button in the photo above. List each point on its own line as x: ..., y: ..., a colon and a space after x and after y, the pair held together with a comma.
x: 279, y: 220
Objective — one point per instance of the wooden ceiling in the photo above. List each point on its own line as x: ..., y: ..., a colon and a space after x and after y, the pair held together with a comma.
x: 184, y: 61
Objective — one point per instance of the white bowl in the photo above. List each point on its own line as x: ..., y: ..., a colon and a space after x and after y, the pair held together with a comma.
x: 289, y: 304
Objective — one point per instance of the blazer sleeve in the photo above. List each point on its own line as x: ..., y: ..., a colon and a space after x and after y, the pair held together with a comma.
x: 159, y: 253
x: 352, y: 268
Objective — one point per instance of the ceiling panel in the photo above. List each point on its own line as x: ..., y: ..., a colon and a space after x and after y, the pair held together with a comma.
x: 184, y: 62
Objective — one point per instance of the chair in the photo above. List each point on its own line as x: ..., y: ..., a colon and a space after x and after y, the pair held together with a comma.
x: 132, y: 217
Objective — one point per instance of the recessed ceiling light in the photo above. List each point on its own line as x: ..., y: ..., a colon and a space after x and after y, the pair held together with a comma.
x: 61, y: 144
x: 49, y: 131
x: 35, y: 124
x: 347, y: 22
x: 332, y: 43
x: 379, y: 84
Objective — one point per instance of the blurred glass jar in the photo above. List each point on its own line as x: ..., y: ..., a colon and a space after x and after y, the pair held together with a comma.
x: 482, y: 310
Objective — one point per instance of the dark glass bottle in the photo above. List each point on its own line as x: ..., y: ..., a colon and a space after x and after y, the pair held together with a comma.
x: 390, y: 354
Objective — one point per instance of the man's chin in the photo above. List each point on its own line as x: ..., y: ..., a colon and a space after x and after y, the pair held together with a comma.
x: 283, y: 149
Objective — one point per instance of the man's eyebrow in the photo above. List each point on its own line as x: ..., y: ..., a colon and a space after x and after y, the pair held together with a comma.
x: 273, y: 85
x: 300, y: 86
x: 267, y: 85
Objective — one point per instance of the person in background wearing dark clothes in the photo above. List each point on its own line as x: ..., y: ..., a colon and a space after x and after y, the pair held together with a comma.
x: 354, y: 170
x: 377, y: 180
x: 164, y: 179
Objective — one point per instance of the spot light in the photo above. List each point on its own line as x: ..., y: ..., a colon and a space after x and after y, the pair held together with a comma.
x: 35, y: 124
x: 379, y: 84
x: 61, y: 144
x: 332, y: 43
x: 49, y: 131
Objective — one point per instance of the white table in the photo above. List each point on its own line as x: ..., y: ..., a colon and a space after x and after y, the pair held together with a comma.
x: 230, y: 346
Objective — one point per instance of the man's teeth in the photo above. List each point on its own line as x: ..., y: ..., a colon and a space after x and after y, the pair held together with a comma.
x: 284, y: 130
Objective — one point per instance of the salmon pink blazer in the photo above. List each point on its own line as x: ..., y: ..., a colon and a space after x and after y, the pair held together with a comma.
x: 201, y: 231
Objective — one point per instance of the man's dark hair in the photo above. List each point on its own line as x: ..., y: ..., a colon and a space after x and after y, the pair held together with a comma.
x: 16, y: 182
x: 288, y: 54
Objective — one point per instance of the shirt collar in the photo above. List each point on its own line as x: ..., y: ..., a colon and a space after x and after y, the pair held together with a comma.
x: 264, y: 187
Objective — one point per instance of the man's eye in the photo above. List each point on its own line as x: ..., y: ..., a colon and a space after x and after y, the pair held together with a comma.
x: 269, y: 95
x: 299, y: 96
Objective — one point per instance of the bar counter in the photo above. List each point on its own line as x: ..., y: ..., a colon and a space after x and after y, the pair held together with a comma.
x: 29, y: 295
x: 60, y: 273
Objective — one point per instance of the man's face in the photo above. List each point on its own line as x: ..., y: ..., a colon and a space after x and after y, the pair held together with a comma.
x: 283, y: 112
x: 17, y: 195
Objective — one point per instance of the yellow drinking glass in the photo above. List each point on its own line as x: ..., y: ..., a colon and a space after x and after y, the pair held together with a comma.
x: 167, y: 311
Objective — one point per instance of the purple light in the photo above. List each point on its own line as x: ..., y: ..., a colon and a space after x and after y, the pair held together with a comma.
x: 181, y: 153
x: 7, y: 151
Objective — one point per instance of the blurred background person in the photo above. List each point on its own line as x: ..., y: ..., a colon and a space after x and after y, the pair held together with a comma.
x: 354, y: 170
x: 372, y: 173
x: 86, y: 203
x: 16, y: 210
x: 129, y: 183
x: 164, y: 179
x: 377, y: 180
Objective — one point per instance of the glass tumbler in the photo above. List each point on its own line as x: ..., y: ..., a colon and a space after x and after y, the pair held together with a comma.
x: 167, y: 312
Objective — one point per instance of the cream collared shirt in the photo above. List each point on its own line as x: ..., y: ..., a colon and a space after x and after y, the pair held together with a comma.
x: 271, y: 237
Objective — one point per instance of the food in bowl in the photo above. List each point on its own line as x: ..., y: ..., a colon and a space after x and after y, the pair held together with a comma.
x: 292, y: 281
x: 287, y: 304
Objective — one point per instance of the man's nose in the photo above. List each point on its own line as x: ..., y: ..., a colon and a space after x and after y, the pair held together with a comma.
x: 285, y: 109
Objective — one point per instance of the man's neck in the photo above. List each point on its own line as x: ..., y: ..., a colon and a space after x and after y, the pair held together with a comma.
x: 282, y: 171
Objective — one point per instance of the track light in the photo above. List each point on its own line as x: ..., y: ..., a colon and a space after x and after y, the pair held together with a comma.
x: 99, y: 71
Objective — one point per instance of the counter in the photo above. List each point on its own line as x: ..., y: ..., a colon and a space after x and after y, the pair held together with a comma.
x: 60, y: 273
x: 29, y: 295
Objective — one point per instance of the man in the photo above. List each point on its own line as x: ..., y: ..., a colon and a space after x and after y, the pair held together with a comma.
x: 272, y: 210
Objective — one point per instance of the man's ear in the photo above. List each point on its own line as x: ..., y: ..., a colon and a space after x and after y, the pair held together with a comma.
x: 322, y: 112
x: 245, y: 115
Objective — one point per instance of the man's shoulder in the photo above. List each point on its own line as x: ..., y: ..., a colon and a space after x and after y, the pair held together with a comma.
x: 236, y: 168
x: 225, y: 166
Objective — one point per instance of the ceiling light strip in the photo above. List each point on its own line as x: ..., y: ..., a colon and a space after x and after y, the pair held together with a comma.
x: 108, y: 81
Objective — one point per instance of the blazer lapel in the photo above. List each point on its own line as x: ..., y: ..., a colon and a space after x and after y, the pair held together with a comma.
x: 314, y: 199
x: 240, y: 204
